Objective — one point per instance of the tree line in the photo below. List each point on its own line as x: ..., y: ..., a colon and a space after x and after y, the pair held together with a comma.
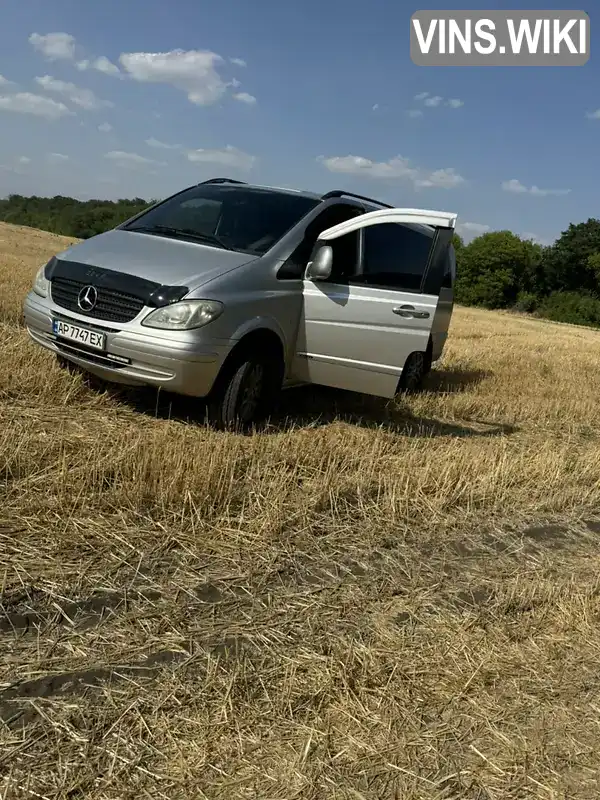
x: 561, y: 281
x: 67, y: 216
x: 497, y: 270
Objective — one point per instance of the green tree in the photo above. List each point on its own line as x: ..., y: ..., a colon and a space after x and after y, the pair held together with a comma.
x: 68, y: 216
x: 593, y: 264
x: 577, y: 308
x: 494, y: 268
x: 570, y: 264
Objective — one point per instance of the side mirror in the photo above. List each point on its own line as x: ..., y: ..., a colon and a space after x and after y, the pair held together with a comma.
x: 319, y: 269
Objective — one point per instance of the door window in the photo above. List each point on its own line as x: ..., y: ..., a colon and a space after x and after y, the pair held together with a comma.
x: 345, y: 257
x: 293, y: 268
x: 395, y: 256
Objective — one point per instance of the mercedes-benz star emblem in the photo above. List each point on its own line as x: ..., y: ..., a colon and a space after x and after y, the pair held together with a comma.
x: 87, y: 298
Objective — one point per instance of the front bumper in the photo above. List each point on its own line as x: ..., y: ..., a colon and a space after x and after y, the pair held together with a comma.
x: 175, y: 361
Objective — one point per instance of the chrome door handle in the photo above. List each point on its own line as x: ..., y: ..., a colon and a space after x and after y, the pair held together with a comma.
x: 410, y: 311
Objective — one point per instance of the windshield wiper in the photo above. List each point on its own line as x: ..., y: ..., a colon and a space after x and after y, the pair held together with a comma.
x: 187, y: 232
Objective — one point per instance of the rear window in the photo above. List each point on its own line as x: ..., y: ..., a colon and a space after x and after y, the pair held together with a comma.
x: 244, y: 218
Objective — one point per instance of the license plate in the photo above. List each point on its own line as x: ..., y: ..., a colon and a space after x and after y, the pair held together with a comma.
x: 77, y: 334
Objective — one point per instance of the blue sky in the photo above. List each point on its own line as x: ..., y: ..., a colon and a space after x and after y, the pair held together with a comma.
x: 316, y: 95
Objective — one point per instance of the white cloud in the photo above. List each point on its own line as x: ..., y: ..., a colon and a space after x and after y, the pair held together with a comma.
x: 469, y: 230
x: 4, y: 81
x: 16, y: 166
x: 433, y: 101
x: 516, y: 187
x: 239, y: 62
x: 533, y: 237
x: 106, y: 127
x: 244, y: 97
x: 57, y: 158
x: 227, y: 157
x: 54, y: 46
x: 546, y: 192
x: 414, y: 113
x: 192, y: 71
x: 84, y: 98
x: 397, y: 168
x: 152, y: 142
x: 123, y: 159
x: 593, y: 114
x: 541, y: 240
x: 102, y: 64
x: 27, y: 103
x: 375, y: 107
x: 441, y: 179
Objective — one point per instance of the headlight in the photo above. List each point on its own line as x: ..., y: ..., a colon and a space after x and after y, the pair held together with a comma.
x: 41, y: 284
x: 184, y: 315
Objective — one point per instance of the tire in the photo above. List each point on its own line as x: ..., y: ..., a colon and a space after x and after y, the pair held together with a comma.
x: 246, y: 392
x: 413, y: 373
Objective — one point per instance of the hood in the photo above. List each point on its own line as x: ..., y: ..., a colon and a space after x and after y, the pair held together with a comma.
x: 156, y: 258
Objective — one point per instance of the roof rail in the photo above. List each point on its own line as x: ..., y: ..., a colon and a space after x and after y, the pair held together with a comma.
x: 220, y: 180
x: 342, y: 193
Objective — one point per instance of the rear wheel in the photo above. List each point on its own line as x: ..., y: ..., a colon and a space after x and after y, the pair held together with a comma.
x: 413, y: 373
x: 246, y: 392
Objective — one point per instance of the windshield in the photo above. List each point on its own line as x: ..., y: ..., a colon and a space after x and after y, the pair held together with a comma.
x: 241, y: 218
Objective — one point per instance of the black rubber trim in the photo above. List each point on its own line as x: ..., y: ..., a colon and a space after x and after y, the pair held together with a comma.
x: 343, y: 193
x: 222, y: 180
x: 154, y: 295
x: 433, y: 276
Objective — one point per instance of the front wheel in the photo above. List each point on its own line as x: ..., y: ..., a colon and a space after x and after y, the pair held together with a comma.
x: 245, y: 393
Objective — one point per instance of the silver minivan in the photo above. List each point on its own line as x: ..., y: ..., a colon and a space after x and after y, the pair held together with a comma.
x: 230, y: 292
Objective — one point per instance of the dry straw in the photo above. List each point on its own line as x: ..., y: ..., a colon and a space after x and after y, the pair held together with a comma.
x: 361, y: 602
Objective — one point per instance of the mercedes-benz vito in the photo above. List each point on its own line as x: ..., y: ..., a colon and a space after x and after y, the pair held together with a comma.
x: 229, y: 292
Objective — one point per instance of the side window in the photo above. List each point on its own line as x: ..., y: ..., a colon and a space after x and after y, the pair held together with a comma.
x: 345, y: 257
x: 395, y: 256
x: 294, y: 267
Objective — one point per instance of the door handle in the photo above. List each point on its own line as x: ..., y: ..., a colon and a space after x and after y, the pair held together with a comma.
x: 410, y: 311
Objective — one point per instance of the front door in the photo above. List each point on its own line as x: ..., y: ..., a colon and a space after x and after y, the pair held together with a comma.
x: 378, y: 306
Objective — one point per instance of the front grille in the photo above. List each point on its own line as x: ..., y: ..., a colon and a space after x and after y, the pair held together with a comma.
x: 112, y: 305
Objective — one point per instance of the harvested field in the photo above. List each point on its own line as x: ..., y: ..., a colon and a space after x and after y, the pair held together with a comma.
x: 362, y: 602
